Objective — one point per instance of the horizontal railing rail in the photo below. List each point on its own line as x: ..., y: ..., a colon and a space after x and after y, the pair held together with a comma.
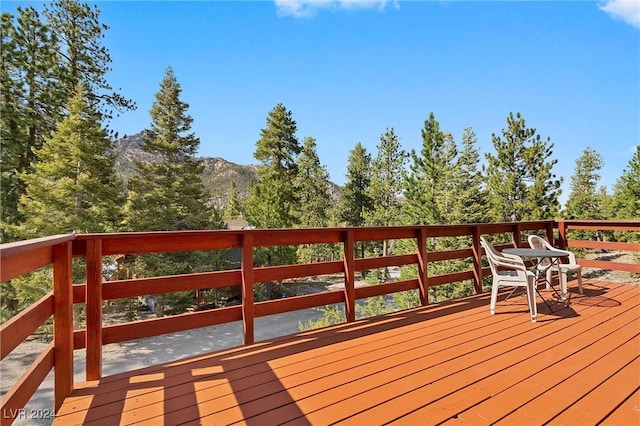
x: 564, y: 227
x: 23, y: 257
x: 18, y: 259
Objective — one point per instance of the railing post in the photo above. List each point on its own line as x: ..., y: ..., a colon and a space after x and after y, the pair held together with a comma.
x: 516, y: 235
x: 422, y: 266
x: 477, y: 263
x: 562, y: 234
x: 549, y: 232
x: 247, y: 287
x: 94, y: 309
x: 62, y: 323
x: 349, y: 277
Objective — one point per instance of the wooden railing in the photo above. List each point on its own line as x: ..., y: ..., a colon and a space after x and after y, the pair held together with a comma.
x: 18, y: 259
x: 24, y: 257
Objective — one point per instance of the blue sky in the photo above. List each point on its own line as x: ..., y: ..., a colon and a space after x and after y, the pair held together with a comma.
x: 349, y: 70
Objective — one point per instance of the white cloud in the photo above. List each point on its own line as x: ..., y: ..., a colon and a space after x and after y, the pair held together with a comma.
x: 627, y: 10
x: 307, y: 8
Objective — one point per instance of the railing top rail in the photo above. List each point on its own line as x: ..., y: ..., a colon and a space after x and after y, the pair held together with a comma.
x: 82, y: 237
x: 614, y: 222
x: 12, y: 249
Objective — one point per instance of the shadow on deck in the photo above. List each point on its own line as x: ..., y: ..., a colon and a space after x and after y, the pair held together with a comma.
x: 443, y: 363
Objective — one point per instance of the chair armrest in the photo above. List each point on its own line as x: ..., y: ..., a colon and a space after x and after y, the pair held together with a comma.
x: 572, y: 256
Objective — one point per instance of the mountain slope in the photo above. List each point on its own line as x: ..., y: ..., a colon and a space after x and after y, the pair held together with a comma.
x: 217, y: 175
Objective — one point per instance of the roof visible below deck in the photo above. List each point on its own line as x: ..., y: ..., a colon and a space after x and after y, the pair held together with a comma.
x: 450, y: 362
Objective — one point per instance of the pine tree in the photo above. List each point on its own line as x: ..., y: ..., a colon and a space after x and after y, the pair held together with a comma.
x: 168, y: 195
x: 386, y: 181
x: 74, y: 187
x: 31, y: 102
x: 425, y: 183
x: 355, y: 202
x: 312, y: 185
x: 233, y: 209
x: 440, y: 189
x: 42, y: 62
x: 520, y: 181
x: 584, y: 201
x: 273, y: 200
x: 84, y: 58
x: 469, y: 183
x: 385, y: 190
x: 626, y: 198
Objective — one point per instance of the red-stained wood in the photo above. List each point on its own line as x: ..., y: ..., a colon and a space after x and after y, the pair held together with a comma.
x: 94, y: 309
x: 562, y: 234
x: 289, y: 304
x: 450, y: 254
x: 278, y: 273
x: 435, y: 280
x: 603, y: 225
x: 349, y: 277
x: 385, y: 261
x: 24, y: 262
x: 286, y: 237
x: 168, y: 284
x: 549, y: 233
x: 386, y: 288
x: 172, y: 324
x: 39, y: 252
x: 383, y: 233
x: 8, y: 250
x: 166, y: 241
x: 62, y: 322
x: 80, y: 339
x: 607, y: 264
x: 436, y: 231
x: 17, y: 329
x: 449, y: 362
x: 604, y: 245
x: 423, y: 275
x: 24, y: 388
x: 477, y: 262
x: 628, y: 413
x: 248, y: 281
x: 79, y: 293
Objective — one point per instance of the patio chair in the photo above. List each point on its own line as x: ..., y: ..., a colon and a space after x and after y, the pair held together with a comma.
x: 510, y: 271
x: 562, y: 269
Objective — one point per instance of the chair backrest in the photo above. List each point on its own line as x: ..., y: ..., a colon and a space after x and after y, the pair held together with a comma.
x: 539, y: 243
x: 496, y: 258
x: 491, y: 253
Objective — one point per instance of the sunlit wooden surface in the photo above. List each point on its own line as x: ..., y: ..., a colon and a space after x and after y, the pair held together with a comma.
x: 448, y: 363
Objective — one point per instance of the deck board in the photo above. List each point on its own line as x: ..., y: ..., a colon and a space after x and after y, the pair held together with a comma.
x: 448, y: 363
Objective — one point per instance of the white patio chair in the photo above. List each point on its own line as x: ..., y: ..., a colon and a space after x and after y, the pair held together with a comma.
x: 562, y: 269
x: 509, y: 271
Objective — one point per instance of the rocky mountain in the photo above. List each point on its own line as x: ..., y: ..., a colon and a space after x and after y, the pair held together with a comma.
x: 217, y: 176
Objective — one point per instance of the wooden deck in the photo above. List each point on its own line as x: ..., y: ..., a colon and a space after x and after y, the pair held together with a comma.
x: 449, y: 363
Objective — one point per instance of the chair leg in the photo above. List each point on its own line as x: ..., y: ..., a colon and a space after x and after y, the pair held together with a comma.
x: 563, y: 287
x: 531, y: 298
x: 494, y: 298
x: 579, y: 274
x: 549, y: 276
